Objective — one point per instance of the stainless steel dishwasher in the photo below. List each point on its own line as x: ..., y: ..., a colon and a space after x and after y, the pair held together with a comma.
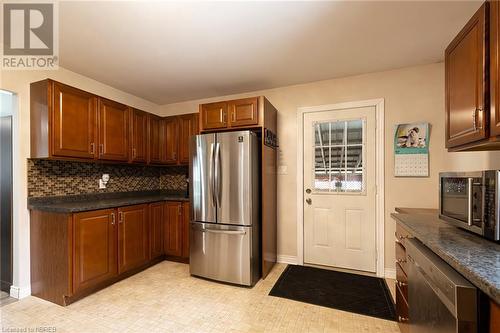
x: 440, y: 299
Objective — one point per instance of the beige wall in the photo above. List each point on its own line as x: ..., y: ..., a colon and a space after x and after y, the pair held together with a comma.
x: 411, y: 95
x: 18, y: 82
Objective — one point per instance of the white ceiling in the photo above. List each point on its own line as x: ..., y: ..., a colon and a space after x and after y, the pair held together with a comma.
x: 168, y: 52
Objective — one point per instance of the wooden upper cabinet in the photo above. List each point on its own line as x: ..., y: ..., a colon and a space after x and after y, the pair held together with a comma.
x: 173, y: 229
x: 156, y: 222
x: 156, y: 137
x: 72, y: 123
x: 494, y: 68
x: 138, y: 136
x: 243, y: 112
x: 133, y: 237
x: 94, y: 248
x: 113, y: 130
x: 466, y: 83
x: 213, y: 116
x: 188, y: 126
x: 171, y: 128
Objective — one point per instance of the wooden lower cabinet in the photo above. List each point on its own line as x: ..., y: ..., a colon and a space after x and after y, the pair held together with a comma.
x: 402, y: 308
x: 133, y: 237
x: 173, y: 229
x: 94, y: 248
x: 176, y: 236
x: 75, y: 254
x: 156, y: 226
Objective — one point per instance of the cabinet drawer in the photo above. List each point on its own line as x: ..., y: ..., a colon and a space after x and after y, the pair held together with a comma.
x: 401, y: 274
x: 402, y: 311
x: 401, y: 256
x: 401, y: 234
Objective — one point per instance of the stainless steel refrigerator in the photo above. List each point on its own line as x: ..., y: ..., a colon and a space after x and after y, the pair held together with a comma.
x: 224, y: 192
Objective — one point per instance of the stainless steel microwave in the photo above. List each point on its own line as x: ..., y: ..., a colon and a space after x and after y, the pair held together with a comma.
x: 470, y: 200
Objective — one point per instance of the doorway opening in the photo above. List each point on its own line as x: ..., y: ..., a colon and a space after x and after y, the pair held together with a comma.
x: 7, y: 103
x: 340, y: 201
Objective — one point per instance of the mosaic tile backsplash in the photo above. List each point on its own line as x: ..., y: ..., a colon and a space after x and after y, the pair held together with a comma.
x: 56, y: 178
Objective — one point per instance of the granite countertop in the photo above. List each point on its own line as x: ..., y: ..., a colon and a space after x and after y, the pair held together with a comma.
x: 86, y: 202
x: 476, y: 258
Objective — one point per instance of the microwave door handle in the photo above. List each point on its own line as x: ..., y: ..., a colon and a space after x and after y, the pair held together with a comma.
x: 470, y: 202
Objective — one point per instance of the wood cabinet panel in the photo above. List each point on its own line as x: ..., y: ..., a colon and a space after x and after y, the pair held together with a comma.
x: 213, y: 116
x: 113, y: 130
x: 138, y: 136
x: 94, y: 248
x: 494, y: 22
x: 133, y: 237
x: 173, y: 229
x: 188, y: 126
x: 465, y: 83
x: 73, y: 124
x: 171, y: 129
x: 186, y: 219
x: 243, y: 112
x: 156, y: 137
x: 402, y: 311
x: 494, y: 317
x: 156, y: 224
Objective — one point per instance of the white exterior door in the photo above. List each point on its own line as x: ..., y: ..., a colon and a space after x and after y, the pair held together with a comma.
x: 340, y: 189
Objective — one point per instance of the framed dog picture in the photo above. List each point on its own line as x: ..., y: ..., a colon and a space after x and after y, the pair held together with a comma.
x: 411, y: 150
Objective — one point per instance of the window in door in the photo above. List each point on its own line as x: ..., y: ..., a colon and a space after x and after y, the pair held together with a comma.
x: 339, y: 153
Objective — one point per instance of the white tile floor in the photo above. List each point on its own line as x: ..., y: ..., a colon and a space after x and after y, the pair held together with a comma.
x: 165, y: 298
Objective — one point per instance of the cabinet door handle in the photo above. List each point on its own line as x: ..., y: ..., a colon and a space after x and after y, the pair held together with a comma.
x: 224, y: 117
x: 112, y: 218
x: 401, y: 284
x: 101, y: 149
x: 134, y: 154
x: 401, y: 261
x: 120, y: 217
x: 180, y: 211
x: 92, y: 148
x: 233, y: 116
x: 402, y: 319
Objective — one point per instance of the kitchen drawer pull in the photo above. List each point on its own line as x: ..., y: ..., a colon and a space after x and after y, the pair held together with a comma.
x: 401, y: 284
x: 402, y: 319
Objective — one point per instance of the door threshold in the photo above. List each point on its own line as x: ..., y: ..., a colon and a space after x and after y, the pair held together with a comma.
x: 343, y: 270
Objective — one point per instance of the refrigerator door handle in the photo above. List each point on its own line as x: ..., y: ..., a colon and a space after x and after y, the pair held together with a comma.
x: 211, y: 176
x: 217, y: 174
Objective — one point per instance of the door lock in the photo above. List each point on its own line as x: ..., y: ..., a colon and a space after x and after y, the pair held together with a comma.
x: 309, y: 201
x: 308, y: 190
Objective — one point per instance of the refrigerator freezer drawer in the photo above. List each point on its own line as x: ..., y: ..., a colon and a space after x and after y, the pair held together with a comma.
x: 223, y: 253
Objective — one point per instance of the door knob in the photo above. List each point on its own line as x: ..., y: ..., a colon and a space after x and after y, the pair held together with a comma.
x: 309, y: 201
x: 308, y: 190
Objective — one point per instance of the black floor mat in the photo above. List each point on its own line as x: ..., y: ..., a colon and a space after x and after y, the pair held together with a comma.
x: 348, y: 292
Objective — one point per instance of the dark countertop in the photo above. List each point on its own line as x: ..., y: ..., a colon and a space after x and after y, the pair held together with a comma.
x: 86, y: 202
x: 476, y: 258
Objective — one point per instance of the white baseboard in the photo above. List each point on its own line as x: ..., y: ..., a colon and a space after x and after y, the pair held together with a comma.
x: 19, y: 293
x: 390, y: 273
x: 284, y: 259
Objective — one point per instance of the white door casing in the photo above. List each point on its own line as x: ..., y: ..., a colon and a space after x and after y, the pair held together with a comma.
x: 343, y: 224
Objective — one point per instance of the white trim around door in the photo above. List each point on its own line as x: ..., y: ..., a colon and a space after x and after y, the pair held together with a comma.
x: 378, y: 104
